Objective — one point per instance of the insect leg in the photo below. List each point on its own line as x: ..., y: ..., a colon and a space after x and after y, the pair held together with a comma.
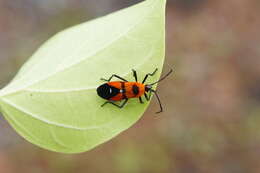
x: 150, y: 95
x: 146, y: 97
x: 114, y: 75
x: 140, y: 99
x: 119, y: 106
x: 149, y: 74
x: 159, y: 101
x: 134, y: 74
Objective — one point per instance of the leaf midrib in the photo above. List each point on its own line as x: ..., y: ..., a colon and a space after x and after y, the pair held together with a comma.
x: 18, y: 108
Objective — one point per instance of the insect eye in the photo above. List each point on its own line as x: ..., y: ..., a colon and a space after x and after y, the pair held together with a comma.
x: 110, y: 90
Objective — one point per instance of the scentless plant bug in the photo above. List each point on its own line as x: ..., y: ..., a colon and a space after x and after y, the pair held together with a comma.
x: 124, y: 90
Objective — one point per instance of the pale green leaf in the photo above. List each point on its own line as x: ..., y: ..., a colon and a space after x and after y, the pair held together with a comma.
x: 52, y: 102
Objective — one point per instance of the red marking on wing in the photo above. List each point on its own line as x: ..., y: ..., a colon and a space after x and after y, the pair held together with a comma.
x: 116, y: 84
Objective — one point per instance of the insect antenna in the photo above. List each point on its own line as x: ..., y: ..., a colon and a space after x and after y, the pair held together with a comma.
x: 159, y: 101
x: 162, y: 78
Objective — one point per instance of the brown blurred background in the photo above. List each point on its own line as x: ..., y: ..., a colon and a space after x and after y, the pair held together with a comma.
x: 211, y: 122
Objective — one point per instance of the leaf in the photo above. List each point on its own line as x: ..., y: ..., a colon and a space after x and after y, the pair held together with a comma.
x: 52, y: 102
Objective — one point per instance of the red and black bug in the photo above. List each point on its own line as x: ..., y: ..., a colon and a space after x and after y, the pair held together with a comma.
x: 123, y: 90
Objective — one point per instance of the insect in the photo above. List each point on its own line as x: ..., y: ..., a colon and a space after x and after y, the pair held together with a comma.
x: 124, y: 90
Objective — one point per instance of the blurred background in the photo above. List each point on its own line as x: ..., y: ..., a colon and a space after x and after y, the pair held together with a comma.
x: 211, y: 122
